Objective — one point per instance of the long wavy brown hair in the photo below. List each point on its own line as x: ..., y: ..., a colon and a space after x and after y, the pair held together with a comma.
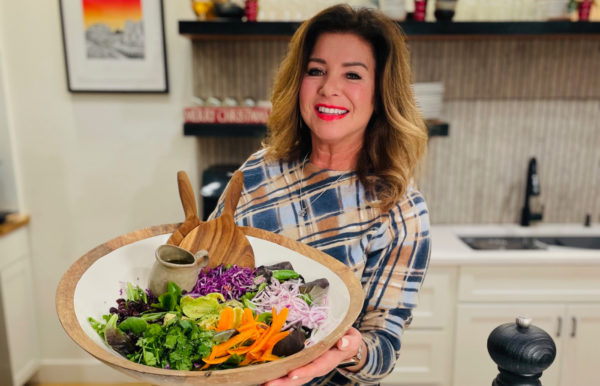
x: 396, y: 136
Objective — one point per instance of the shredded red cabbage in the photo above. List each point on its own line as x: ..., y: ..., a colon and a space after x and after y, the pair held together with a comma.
x: 232, y: 283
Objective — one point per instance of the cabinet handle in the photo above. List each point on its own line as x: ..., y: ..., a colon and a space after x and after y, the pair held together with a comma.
x: 559, y: 328
x: 574, y: 327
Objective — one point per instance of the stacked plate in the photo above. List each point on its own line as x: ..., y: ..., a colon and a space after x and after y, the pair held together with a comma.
x: 429, y: 98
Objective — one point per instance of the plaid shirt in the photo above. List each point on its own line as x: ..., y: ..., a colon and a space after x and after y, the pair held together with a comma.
x: 389, y: 251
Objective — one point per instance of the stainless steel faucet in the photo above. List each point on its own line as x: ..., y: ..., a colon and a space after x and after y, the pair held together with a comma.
x: 532, y: 189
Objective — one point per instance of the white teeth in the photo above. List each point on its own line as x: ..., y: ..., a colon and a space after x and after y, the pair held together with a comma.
x: 327, y: 110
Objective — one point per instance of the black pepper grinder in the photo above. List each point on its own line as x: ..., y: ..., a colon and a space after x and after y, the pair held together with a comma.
x: 521, y: 351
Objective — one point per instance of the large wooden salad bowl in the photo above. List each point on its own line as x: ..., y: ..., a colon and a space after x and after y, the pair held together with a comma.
x: 91, y: 285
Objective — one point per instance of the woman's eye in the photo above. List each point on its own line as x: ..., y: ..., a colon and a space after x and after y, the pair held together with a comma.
x: 314, y: 71
x: 353, y: 75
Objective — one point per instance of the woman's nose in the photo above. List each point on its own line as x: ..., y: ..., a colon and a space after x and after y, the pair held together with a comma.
x: 329, y: 87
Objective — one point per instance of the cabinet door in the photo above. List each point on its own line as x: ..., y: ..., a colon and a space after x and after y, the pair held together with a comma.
x: 580, y: 359
x: 19, y: 350
x: 474, y: 323
x: 437, y: 299
x: 424, y: 359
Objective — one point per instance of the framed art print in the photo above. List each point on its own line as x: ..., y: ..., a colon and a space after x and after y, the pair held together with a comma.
x: 114, y: 46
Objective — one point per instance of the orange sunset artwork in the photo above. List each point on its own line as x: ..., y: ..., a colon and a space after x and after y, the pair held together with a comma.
x: 113, y: 13
x: 114, y: 29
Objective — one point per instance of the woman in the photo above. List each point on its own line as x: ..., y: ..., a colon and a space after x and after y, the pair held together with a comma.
x: 336, y: 173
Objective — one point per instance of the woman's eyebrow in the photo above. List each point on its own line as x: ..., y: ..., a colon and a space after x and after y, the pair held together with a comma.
x: 352, y: 64
x: 347, y: 64
x: 318, y: 60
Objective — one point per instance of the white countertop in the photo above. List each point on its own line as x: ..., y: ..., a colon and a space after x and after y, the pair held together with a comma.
x: 448, y: 249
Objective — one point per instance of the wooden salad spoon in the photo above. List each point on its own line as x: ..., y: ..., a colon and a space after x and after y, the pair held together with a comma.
x: 221, y: 237
x: 188, y: 201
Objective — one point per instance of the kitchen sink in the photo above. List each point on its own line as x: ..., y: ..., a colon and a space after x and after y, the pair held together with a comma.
x: 530, y: 242
x: 587, y: 242
x: 495, y: 243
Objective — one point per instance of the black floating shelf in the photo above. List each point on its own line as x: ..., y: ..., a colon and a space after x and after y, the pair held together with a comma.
x: 237, y: 28
x: 224, y: 130
x: 240, y: 29
x: 435, y: 128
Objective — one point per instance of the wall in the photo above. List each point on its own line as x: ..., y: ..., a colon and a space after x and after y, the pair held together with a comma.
x: 506, y: 99
x: 8, y: 185
x: 91, y: 166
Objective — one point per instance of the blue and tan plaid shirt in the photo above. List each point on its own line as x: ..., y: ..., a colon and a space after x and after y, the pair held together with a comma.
x: 389, y: 251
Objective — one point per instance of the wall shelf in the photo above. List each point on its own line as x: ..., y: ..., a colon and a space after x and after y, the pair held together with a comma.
x: 435, y: 128
x: 283, y: 30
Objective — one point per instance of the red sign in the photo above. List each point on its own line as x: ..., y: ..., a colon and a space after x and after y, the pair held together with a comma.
x: 205, y: 114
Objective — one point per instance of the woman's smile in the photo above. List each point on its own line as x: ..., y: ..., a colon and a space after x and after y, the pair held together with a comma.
x: 330, y: 113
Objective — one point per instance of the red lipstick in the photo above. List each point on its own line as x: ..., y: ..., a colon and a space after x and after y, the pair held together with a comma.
x: 329, y: 116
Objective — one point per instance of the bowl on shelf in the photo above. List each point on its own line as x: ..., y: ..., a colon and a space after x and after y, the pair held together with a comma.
x: 92, y: 284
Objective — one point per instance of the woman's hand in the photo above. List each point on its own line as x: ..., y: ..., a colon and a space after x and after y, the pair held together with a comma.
x: 344, y: 349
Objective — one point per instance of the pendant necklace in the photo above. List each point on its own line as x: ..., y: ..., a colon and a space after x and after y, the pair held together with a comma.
x: 303, y: 206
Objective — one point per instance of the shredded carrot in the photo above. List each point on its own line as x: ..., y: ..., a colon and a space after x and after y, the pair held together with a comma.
x: 268, y: 358
x: 266, y: 355
x: 221, y: 349
x: 247, y: 317
x: 276, y: 338
x: 217, y: 360
x: 262, y: 337
x: 246, y: 361
x: 252, y: 325
x: 226, y: 319
x: 276, y: 326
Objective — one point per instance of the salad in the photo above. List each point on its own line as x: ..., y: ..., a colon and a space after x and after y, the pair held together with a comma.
x: 232, y: 317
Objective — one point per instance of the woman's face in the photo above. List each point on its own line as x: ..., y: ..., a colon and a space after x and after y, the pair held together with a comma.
x: 338, y: 88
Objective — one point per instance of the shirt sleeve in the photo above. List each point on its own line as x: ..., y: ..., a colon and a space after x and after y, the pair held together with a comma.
x: 397, y: 260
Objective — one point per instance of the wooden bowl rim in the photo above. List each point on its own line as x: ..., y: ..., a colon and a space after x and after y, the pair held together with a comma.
x: 65, y: 294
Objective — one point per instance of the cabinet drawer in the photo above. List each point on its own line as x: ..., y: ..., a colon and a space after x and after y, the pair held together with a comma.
x: 425, y: 359
x: 436, y: 299
x: 529, y: 283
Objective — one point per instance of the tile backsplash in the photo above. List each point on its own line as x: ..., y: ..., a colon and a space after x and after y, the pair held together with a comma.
x: 506, y: 100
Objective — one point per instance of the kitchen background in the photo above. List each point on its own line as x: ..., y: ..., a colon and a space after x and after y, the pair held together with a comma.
x: 89, y: 167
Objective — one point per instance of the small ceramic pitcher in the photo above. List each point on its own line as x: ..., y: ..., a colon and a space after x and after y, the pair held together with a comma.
x: 177, y: 265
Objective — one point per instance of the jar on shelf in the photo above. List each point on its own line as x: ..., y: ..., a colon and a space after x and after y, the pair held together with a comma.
x: 251, y: 10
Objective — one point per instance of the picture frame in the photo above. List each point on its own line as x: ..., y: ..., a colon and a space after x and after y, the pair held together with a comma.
x: 114, y: 46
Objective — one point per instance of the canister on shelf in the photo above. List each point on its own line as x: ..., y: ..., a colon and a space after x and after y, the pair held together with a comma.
x: 251, y: 10
x: 420, y: 10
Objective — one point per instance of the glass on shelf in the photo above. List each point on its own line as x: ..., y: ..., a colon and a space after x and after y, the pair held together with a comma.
x: 204, y: 9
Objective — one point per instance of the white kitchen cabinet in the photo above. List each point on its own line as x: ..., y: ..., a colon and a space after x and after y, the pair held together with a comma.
x: 562, y: 300
x: 474, y: 323
x: 426, y: 354
x: 580, y: 345
x: 19, y: 347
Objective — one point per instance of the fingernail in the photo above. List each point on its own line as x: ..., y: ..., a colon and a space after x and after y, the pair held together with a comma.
x: 294, y: 377
x: 344, y: 342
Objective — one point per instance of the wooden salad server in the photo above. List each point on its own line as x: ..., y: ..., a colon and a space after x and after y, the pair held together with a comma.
x: 188, y: 201
x: 221, y: 237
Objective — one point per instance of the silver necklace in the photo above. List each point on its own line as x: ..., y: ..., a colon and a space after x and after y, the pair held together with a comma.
x: 303, y: 206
